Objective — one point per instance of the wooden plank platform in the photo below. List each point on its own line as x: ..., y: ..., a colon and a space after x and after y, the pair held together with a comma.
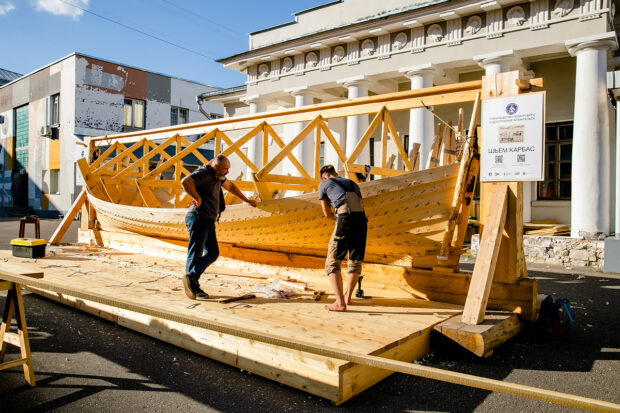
x: 391, y: 326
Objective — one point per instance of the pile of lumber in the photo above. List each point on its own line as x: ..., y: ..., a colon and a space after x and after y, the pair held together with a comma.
x: 545, y: 228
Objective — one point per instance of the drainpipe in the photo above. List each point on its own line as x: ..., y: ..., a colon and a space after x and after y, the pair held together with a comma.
x: 200, y: 101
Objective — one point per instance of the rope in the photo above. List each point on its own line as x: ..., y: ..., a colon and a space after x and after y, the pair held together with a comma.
x: 359, y: 358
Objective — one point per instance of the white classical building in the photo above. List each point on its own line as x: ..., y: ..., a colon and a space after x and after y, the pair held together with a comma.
x: 353, y: 48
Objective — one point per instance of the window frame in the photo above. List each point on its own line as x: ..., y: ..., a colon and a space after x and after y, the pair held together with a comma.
x: 557, y: 162
x: 134, y: 103
x: 175, y: 115
x: 55, y: 110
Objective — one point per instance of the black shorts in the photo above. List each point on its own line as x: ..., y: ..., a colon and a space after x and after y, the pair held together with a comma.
x: 349, y: 237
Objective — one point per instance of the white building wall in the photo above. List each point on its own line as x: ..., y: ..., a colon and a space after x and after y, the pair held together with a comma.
x: 183, y: 94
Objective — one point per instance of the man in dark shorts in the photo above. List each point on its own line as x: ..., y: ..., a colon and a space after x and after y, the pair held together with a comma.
x: 205, y: 185
x: 349, y: 234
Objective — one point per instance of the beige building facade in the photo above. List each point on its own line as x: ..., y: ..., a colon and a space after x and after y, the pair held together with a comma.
x: 353, y: 48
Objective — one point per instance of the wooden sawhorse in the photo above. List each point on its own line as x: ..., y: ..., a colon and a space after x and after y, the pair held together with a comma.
x: 15, y: 306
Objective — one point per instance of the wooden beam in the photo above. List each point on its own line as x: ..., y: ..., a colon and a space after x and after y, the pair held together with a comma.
x: 433, y: 155
x: 288, y: 153
x: 414, y: 157
x: 317, y: 151
x: 120, y: 154
x: 497, y: 328
x: 434, y: 96
x: 478, y: 295
x: 366, y: 136
x: 397, y: 142
x: 334, y: 142
x: 241, y: 155
x: 68, y: 219
x: 145, y: 159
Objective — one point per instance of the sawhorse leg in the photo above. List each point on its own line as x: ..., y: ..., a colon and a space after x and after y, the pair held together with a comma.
x: 15, y: 306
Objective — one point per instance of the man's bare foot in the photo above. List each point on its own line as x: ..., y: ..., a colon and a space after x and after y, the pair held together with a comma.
x: 336, y: 307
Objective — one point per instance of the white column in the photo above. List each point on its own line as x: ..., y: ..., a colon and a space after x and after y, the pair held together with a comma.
x: 304, y: 152
x: 590, y: 192
x: 421, y: 123
x: 356, y: 125
x: 493, y: 64
x: 255, y: 147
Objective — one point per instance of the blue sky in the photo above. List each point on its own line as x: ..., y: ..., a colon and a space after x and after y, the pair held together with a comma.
x: 38, y: 32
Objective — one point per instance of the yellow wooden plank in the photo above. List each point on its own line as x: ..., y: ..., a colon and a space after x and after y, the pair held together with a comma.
x: 397, y: 142
x: 366, y: 136
x: 68, y: 218
x: 482, y: 277
x: 286, y: 151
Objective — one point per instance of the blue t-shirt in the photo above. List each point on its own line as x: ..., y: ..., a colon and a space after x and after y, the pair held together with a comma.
x: 334, y: 193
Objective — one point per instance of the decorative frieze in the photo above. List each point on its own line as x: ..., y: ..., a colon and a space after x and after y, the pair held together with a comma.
x: 325, y: 58
x: 300, y: 64
x: 473, y: 25
x: 312, y: 60
x: 383, y: 49
x: 454, y: 32
x: 353, y: 52
x: 589, y: 9
x: 491, y: 22
x: 563, y: 8
x: 287, y: 64
x: 515, y: 16
x: 368, y: 48
x: 339, y: 53
x: 539, y: 14
x: 435, y: 33
x: 495, y: 23
x: 252, y: 75
x: 275, y: 70
x: 417, y: 39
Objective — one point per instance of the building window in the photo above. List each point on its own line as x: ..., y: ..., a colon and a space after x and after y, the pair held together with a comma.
x: 178, y: 116
x: 55, y: 109
x: 558, y: 162
x: 133, y: 114
x: 322, y: 155
x: 54, y: 181
x: 372, y: 151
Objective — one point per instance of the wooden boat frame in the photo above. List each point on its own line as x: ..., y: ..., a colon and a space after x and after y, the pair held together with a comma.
x: 499, y: 280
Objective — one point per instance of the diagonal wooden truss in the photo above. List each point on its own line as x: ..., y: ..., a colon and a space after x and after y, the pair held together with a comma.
x: 121, y: 174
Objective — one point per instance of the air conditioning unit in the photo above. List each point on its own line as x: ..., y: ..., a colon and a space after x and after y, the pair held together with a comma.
x: 46, y: 130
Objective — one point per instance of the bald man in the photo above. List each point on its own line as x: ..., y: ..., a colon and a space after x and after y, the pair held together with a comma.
x: 205, y: 185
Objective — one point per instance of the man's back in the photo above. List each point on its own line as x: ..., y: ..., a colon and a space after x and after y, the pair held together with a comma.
x: 335, y: 188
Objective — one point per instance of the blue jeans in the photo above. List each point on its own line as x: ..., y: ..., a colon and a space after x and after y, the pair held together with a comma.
x: 201, y: 238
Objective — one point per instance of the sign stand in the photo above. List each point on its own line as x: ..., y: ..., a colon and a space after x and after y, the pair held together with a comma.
x: 501, y: 258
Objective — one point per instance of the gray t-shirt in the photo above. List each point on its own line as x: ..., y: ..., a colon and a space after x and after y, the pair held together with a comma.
x: 208, y: 187
x: 334, y: 193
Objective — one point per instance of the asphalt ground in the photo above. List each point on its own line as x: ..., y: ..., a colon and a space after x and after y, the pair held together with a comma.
x: 86, y: 364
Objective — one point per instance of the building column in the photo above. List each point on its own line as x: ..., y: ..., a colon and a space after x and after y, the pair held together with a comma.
x: 357, y: 87
x: 421, y: 124
x: 500, y: 62
x: 590, y: 192
x: 255, y: 147
x: 304, y: 152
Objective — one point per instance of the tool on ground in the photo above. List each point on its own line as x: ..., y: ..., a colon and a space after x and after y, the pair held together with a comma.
x: 318, y: 295
x: 241, y: 297
x: 360, y: 293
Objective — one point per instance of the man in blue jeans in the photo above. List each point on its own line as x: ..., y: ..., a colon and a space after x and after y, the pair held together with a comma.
x: 205, y: 185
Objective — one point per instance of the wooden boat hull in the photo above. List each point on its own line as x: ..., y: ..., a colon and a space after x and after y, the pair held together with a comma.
x: 407, y: 218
